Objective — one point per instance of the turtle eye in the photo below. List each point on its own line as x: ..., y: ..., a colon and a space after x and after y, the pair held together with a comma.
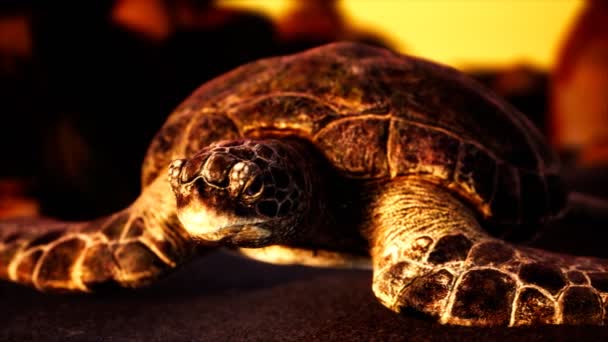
x: 254, y: 187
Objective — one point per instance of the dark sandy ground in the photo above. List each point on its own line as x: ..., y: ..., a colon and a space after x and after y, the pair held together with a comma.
x: 221, y: 297
x: 226, y: 298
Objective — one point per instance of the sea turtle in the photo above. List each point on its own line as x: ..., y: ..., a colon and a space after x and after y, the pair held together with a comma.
x: 343, y: 155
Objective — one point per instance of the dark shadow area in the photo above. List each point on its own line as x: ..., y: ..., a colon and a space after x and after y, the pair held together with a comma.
x: 86, y: 86
x: 583, y: 233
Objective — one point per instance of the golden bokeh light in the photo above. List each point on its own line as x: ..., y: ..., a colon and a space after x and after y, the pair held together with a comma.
x: 463, y: 33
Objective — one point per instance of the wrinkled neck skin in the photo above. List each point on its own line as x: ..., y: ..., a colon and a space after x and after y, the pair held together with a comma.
x: 303, y: 227
x: 333, y: 217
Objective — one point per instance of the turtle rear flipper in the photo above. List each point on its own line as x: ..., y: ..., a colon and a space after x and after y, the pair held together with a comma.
x: 431, y: 256
x: 129, y: 248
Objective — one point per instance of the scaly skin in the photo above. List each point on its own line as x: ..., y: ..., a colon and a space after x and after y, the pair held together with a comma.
x: 130, y: 248
x: 431, y: 255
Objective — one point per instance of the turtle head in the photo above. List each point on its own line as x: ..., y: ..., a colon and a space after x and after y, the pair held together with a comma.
x: 240, y: 193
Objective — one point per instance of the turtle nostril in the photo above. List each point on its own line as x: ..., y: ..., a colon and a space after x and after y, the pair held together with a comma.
x: 215, y: 170
x: 254, y: 187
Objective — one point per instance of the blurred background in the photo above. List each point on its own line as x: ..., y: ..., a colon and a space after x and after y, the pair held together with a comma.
x: 85, y: 85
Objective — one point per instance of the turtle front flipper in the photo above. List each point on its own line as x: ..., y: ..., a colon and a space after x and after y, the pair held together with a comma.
x: 431, y: 256
x: 129, y: 248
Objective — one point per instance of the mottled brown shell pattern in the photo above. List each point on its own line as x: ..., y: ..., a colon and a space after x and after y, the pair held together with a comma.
x: 375, y: 114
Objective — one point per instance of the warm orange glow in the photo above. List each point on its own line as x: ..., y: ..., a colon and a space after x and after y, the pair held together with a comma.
x: 15, y: 36
x: 143, y: 16
x: 461, y: 33
x: 14, y: 202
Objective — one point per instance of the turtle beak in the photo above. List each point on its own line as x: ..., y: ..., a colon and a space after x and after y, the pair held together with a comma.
x: 205, y: 223
x: 247, y: 236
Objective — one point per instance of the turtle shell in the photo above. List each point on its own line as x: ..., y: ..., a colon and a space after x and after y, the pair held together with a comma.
x: 376, y: 114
